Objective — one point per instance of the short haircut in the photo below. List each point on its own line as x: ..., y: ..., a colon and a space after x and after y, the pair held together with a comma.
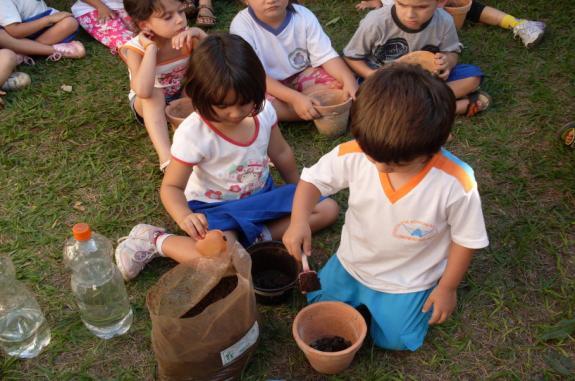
x: 402, y: 112
x: 220, y: 64
x: 142, y: 10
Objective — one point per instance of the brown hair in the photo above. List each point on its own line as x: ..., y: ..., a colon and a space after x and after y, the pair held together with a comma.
x: 402, y: 112
x: 142, y: 10
x: 222, y: 63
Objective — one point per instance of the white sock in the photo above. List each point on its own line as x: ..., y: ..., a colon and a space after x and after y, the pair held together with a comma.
x: 160, y: 241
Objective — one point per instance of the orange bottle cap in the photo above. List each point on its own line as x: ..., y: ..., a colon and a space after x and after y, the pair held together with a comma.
x: 82, y: 231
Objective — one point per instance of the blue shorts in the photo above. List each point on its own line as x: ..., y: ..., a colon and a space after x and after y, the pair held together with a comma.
x: 462, y: 71
x: 397, y: 322
x: 247, y: 216
x: 37, y: 34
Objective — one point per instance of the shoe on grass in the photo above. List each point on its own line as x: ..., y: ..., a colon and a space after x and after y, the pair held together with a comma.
x: 16, y: 81
x: 137, y: 249
x: 567, y: 134
x: 72, y: 49
x: 530, y: 32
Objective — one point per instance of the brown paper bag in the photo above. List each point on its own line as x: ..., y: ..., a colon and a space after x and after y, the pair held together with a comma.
x: 215, y: 343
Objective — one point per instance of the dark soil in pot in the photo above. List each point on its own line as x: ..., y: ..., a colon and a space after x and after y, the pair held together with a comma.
x: 330, y: 344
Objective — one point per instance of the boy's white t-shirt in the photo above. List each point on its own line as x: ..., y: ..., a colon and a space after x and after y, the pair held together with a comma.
x: 297, y: 44
x: 15, y: 11
x: 397, y: 241
x: 223, y: 169
x: 80, y: 8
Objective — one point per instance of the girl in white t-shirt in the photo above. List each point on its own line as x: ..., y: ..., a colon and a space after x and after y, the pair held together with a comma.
x: 219, y: 176
x: 157, y: 60
x: 296, y: 54
x: 105, y: 20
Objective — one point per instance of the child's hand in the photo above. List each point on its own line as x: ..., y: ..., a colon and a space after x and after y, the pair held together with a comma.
x: 442, y: 69
x: 58, y: 16
x: 296, y: 237
x: 186, y: 37
x: 351, y: 88
x: 195, y: 224
x: 105, y: 14
x: 304, y: 107
x: 368, y: 4
x: 443, y: 301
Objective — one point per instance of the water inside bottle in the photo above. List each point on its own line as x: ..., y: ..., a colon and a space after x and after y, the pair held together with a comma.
x: 102, y: 298
x: 24, y: 332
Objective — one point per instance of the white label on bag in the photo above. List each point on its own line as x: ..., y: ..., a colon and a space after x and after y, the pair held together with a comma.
x: 230, y: 354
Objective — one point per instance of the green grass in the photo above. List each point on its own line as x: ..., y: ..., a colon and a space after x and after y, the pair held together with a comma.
x: 79, y: 156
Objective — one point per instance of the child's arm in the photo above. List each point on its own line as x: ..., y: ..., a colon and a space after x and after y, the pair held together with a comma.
x: 337, y: 68
x: 282, y: 156
x: 359, y: 67
x: 24, y: 29
x: 104, y: 12
x: 298, y: 234
x: 444, y: 62
x: 174, y: 200
x: 143, y: 69
x: 443, y: 298
x: 302, y: 104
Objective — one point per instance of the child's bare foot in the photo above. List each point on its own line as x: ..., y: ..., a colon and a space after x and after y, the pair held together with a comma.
x: 368, y: 4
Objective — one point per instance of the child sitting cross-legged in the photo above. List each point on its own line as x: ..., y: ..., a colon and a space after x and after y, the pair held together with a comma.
x: 157, y: 60
x: 296, y: 53
x: 32, y: 28
x: 405, y: 26
x: 414, y: 214
x: 219, y: 176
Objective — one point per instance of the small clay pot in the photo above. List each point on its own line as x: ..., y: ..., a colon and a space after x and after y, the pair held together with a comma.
x: 327, y: 319
x: 274, y: 272
x: 458, y: 10
x: 178, y: 110
x: 422, y: 58
x: 334, y: 110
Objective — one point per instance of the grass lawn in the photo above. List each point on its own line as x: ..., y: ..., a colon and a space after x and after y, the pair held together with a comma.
x: 79, y: 156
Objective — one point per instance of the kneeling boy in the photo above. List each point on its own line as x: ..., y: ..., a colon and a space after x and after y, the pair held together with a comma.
x: 414, y: 214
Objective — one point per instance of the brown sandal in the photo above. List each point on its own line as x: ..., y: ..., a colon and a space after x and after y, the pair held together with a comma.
x: 478, y: 101
x: 211, y: 18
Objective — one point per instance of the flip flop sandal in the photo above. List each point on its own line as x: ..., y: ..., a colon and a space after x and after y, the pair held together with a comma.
x: 478, y: 101
x: 567, y: 134
x: 212, y: 19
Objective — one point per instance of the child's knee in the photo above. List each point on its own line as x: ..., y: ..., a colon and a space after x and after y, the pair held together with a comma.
x: 395, y: 340
x: 329, y: 209
x: 8, y: 56
x: 70, y: 24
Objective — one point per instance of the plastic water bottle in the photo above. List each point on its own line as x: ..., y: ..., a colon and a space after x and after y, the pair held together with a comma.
x: 97, y: 283
x: 23, y: 328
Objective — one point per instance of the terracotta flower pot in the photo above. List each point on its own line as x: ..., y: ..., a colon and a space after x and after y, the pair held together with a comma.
x: 422, y: 58
x: 178, y: 110
x: 325, y: 319
x: 458, y: 10
x: 334, y: 110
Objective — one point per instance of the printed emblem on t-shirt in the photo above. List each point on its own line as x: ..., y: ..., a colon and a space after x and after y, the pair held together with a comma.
x: 391, y: 50
x: 299, y: 59
x: 414, y: 230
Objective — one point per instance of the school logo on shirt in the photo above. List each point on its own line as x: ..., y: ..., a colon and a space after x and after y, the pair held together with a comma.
x: 391, y: 50
x: 299, y: 59
x: 414, y: 230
